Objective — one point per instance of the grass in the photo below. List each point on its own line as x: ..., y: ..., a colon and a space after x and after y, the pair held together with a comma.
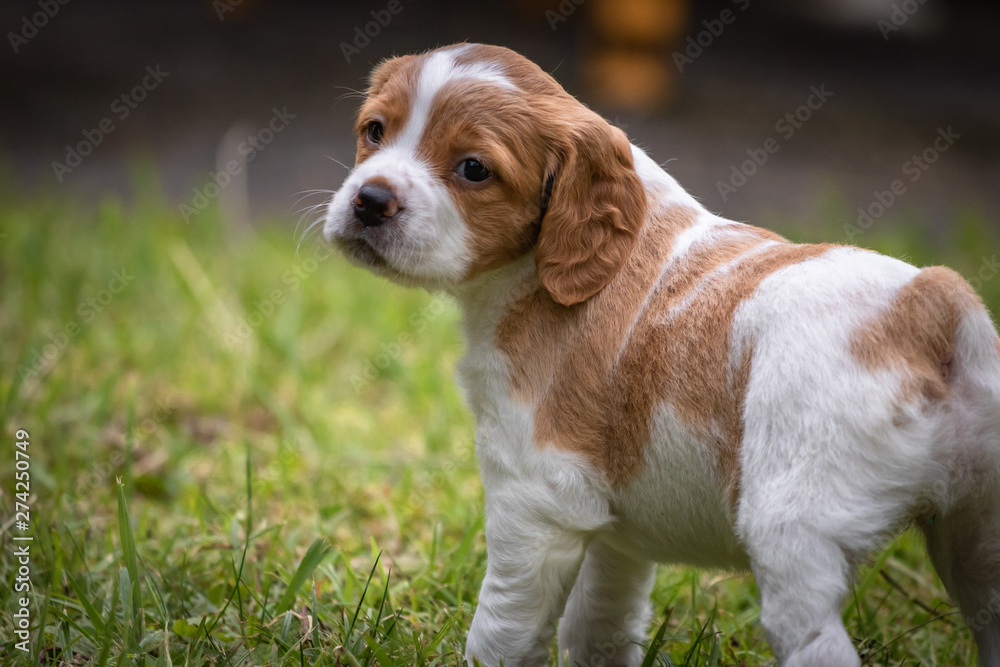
x: 245, y: 453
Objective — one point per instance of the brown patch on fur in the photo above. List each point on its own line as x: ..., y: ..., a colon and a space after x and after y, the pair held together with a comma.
x: 917, y: 333
x: 524, y: 73
x: 596, y: 371
x: 996, y: 344
x: 551, y: 345
x: 684, y: 361
x: 530, y: 335
x: 729, y: 453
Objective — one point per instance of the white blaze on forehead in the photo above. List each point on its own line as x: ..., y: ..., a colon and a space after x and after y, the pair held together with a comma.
x: 439, y: 70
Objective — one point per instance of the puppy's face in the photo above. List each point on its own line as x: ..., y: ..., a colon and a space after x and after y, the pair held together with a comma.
x: 468, y: 158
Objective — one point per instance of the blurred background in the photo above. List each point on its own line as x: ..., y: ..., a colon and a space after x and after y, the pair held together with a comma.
x: 165, y: 323
x: 696, y: 82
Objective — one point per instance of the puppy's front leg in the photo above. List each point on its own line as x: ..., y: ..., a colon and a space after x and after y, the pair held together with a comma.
x: 532, y: 563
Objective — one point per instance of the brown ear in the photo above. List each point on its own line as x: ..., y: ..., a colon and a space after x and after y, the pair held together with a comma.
x: 595, y: 211
x: 384, y: 71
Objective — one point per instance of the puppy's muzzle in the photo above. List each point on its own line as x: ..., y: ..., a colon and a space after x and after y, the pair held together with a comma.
x: 375, y: 205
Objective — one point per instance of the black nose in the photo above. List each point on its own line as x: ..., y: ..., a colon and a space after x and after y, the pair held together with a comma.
x: 374, y: 205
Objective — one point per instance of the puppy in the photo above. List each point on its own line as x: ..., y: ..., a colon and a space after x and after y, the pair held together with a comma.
x: 653, y: 383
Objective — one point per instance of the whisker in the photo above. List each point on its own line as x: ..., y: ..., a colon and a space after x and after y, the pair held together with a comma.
x: 307, y: 212
x: 338, y: 162
x: 318, y: 191
x: 310, y: 193
x: 313, y: 207
x: 306, y: 235
x: 308, y: 227
x: 351, y: 93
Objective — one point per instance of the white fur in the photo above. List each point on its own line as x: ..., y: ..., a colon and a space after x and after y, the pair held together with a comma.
x: 829, y: 467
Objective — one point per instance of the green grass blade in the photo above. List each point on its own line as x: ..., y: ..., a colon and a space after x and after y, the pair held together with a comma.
x: 357, y: 610
x: 88, y: 607
x: 319, y: 550
x: 128, y: 613
x: 128, y: 548
x: 658, y: 639
x: 249, y: 475
x: 110, y: 625
x: 441, y: 633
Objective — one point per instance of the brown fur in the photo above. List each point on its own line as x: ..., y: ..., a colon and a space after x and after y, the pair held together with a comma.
x: 564, y: 359
x: 386, y: 69
x: 556, y: 349
x: 596, y: 417
x: 916, y: 335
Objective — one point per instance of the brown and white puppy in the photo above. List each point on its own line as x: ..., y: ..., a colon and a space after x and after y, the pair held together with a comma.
x: 656, y: 384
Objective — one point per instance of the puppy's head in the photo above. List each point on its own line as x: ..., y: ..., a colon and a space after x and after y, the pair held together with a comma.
x: 469, y: 157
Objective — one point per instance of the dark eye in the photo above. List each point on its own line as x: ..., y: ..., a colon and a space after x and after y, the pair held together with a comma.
x: 375, y: 132
x: 473, y: 170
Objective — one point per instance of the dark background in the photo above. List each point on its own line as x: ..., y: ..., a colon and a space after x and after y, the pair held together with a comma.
x: 889, y: 96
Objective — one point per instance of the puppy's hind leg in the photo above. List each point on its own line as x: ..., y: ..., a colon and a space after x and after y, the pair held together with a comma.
x: 964, y: 546
x: 803, y: 578
x: 963, y: 541
x: 805, y: 519
x: 608, y: 609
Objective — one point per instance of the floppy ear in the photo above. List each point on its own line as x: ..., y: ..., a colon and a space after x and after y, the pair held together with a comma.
x: 384, y: 71
x: 595, y: 210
